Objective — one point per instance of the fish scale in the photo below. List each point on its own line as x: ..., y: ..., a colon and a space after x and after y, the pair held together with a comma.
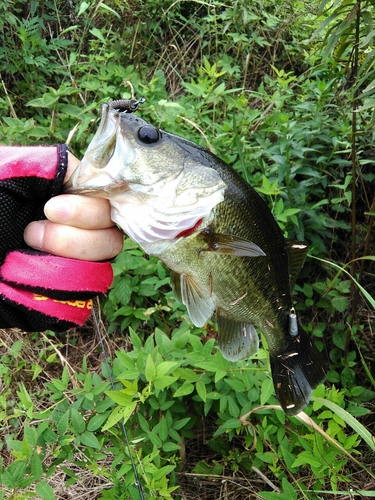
x: 228, y: 257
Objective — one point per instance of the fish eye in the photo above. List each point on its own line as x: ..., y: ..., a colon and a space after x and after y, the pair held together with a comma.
x: 148, y: 134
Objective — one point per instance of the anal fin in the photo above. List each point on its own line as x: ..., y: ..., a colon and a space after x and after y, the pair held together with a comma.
x: 237, y: 340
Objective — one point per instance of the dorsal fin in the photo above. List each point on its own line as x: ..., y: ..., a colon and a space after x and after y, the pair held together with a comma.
x: 297, y: 253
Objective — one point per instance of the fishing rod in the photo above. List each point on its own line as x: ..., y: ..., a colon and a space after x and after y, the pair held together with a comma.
x: 124, y: 432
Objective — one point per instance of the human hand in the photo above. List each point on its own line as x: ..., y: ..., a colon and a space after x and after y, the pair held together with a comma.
x: 38, y: 290
x: 77, y: 226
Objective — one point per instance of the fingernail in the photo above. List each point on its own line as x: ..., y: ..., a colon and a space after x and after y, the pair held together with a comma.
x: 57, y: 210
x: 34, y: 234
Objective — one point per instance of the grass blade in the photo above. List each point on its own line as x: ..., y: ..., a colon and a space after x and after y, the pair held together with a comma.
x: 350, y: 420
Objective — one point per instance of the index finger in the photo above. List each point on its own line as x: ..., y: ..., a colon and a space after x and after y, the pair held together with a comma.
x: 79, y: 211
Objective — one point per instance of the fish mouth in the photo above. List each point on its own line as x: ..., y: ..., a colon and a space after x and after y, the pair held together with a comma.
x: 96, y: 175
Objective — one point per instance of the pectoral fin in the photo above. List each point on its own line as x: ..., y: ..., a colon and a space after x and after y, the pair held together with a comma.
x: 237, y: 340
x: 176, y: 286
x: 199, y: 304
x: 229, y: 244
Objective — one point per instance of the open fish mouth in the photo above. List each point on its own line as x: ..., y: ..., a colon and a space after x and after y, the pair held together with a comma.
x: 98, y: 173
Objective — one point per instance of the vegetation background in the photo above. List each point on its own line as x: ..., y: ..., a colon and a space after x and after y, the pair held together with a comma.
x: 283, y: 90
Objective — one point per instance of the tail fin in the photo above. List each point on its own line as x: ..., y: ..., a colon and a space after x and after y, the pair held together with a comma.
x: 296, y: 372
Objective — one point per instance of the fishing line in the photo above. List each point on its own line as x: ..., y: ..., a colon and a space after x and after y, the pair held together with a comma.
x: 124, y: 432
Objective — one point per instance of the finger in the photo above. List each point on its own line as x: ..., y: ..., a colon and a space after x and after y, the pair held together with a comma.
x: 79, y: 211
x: 72, y: 242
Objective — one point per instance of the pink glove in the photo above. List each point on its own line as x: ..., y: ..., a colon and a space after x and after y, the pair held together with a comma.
x: 39, y: 291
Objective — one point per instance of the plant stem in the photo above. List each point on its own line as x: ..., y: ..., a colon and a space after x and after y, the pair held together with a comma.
x: 354, y: 161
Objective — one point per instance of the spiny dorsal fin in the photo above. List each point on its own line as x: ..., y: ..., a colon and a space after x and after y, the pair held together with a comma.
x: 297, y: 253
x: 199, y: 304
x: 236, y: 340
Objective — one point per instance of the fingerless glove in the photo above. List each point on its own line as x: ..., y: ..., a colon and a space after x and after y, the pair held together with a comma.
x: 39, y: 291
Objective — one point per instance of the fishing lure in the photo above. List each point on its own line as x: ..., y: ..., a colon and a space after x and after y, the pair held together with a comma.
x: 126, y: 105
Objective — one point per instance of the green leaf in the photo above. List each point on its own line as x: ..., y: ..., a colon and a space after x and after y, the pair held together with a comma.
x: 83, y: 7
x: 272, y: 495
x: 97, y: 421
x: 8, y: 480
x: 39, y: 132
x: 45, y: 491
x: 288, y: 457
x: 98, y: 34
x: 233, y: 408
x: 236, y: 384
x: 210, y: 366
x: 201, y: 390
x: 109, y: 9
x: 170, y: 447
x: 164, y: 471
x: 78, y: 422
x: 89, y: 439
x: 120, y: 397
x: 63, y: 423
x: 163, y: 429
x: 155, y: 440
x: 136, y: 341
x: 150, y: 370
x: 267, y: 391
x: 163, y: 381
x: 143, y: 422
x: 114, y: 417
x: 184, y: 390
x: 340, y: 303
x: 306, y: 458
x: 119, y: 413
x: 268, y: 457
x: 17, y: 469
x: 179, y: 424
x: 36, y: 467
x: 350, y: 420
x: 124, y: 290
x: 288, y: 489
x: 232, y: 423
x: 72, y: 110
x: 30, y: 434
x: 46, y: 101
x: 165, y: 367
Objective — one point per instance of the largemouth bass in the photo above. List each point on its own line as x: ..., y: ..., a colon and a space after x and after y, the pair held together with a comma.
x: 226, y: 252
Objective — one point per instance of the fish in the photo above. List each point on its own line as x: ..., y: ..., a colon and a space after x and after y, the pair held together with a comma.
x: 228, y: 257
